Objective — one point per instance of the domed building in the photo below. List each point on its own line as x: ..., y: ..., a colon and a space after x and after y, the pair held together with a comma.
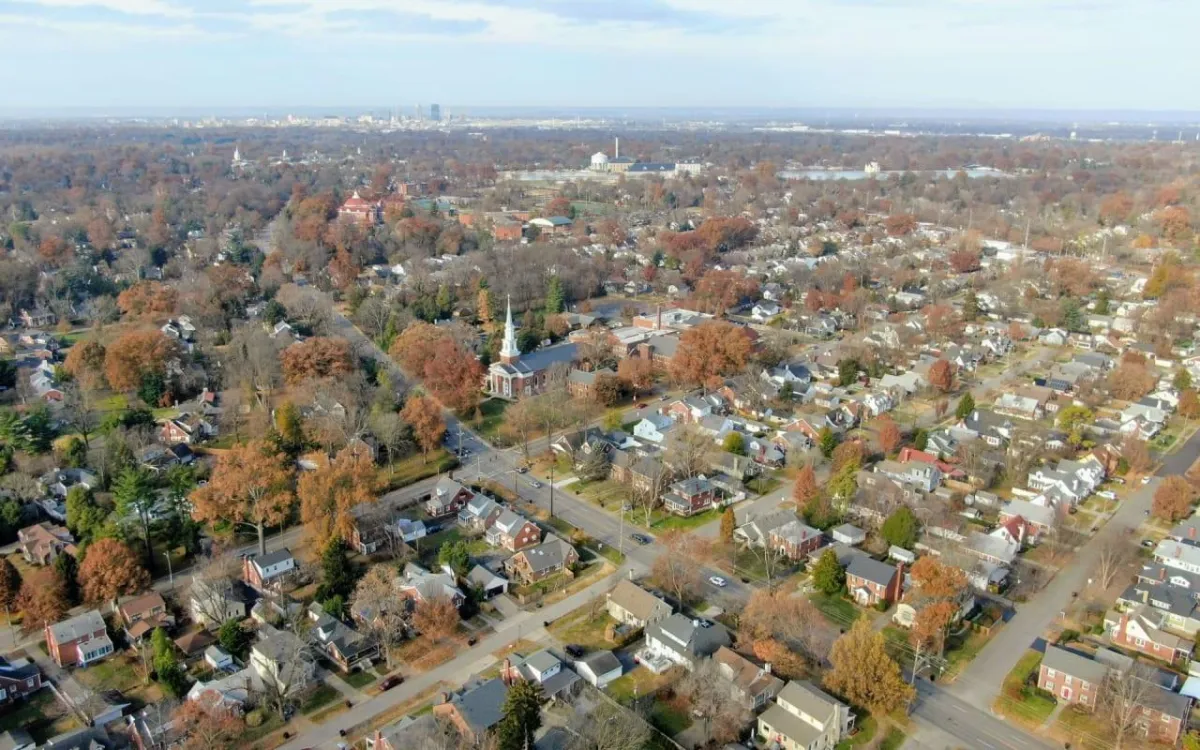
x: 600, y: 162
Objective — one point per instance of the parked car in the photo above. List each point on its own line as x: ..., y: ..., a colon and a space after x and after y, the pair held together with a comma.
x: 640, y: 538
x: 1148, y: 543
x: 642, y: 406
x: 718, y: 581
x: 536, y: 484
x: 522, y: 469
x: 575, y: 651
x: 391, y: 682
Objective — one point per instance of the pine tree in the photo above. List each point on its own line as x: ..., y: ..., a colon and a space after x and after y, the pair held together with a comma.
x: 827, y: 575
x: 827, y: 441
x: 555, y: 299
x: 66, y: 569
x: 971, y: 306
x: 966, y: 405
x: 522, y: 716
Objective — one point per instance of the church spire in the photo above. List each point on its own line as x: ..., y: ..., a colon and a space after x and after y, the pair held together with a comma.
x: 508, y: 350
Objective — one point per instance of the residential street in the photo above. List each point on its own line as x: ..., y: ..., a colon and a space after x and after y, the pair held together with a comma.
x: 961, y: 723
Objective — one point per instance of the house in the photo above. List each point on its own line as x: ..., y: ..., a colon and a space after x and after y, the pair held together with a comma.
x: 187, y: 429
x: 641, y: 473
x: 906, y: 610
x: 751, y: 685
x: 848, y: 535
x: 994, y: 429
x: 1037, y: 519
x: 925, y: 477
x: 994, y: 548
x: 19, y: 678
x: 1076, y: 679
x: 143, y: 613
x: 487, y: 583
x: 870, y: 581
x: 688, y: 410
x: 903, y: 385
x: 38, y: 317
x: 280, y: 658
x: 690, y: 496
x: 448, y: 497
x: 228, y: 692
x: 544, y: 668
x: 268, y: 572
x: 581, y: 384
x: 346, y: 647
x: 795, y: 373
x: 218, y: 659
x: 795, y: 539
x: 190, y: 644
x: 78, y: 641
x: 479, y: 513
x: 211, y: 604
x: 804, y: 717
x: 531, y: 565
x: 513, y: 532
x: 1141, y: 629
x: 1176, y: 604
x: 408, y: 530
x: 599, y: 669
x: 1022, y: 407
x: 419, y: 584
x: 630, y: 604
x: 680, y: 640
x: 755, y: 531
x: 653, y: 428
x: 765, y: 312
x: 476, y: 709
x: 43, y: 542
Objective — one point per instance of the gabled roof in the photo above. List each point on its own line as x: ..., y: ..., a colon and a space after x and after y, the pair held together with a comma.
x: 636, y: 600
x: 77, y: 626
x: 1076, y: 665
x: 870, y: 569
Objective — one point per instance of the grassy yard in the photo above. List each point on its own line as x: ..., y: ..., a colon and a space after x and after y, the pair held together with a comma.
x: 428, y: 546
x: 1023, y: 705
x: 763, y: 484
x: 321, y: 697
x: 661, y: 521
x: 491, y: 417
x: 42, y: 716
x: 581, y: 628
x: 414, y: 468
x: 962, y: 648
x: 637, y: 683
x: 668, y: 719
x: 118, y: 672
x: 360, y: 679
x: 837, y: 609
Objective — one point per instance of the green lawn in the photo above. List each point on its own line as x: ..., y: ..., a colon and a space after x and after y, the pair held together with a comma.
x: 415, y: 468
x: 866, y: 728
x: 115, y: 402
x: 578, y: 628
x: 428, y: 547
x: 360, y: 679
x: 321, y: 697
x: 763, y: 484
x: 42, y: 716
x: 114, y: 673
x: 661, y: 521
x: 1016, y: 702
x: 637, y: 683
x: 491, y: 417
x: 837, y: 609
x: 893, y: 740
x: 668, y: 720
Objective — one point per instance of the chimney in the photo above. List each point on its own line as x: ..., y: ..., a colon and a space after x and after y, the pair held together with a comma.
x: 658, y: 318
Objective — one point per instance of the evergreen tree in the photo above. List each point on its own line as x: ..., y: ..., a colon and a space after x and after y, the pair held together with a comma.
x: 920, y: 439
x: 66, y: 570
x: 234, y: 638
x: 166, y: 664
x: 84, y: 515
x: 289, y: 430
x: 522, y: 716
x: 966, y: 405
x: 1103, y: 299
x: 827, y: 575
x: 901, y: 528
x: 1182, y: 380
x: 555, y: 298
x: 971, y: 306
x: 826, y: 441
x: 337, y: 574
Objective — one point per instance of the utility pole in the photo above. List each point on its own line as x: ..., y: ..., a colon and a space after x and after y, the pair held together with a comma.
x: 170, y: 571
x: 552, y: 489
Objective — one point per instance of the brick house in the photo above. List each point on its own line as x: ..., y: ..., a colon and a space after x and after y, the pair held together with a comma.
x: 548, y: 558
x: 641, y: 473
x: 78, y: 641
x: 1141, y: 629
x: 870, y: 581
x: 18, y: 679
x: 269, y: 571
x: 1070, y: 677
x: 513, y: 532
x: 143, y: 613
x: 690, y: 496
x: 448, y: 497
x: 43, y: 542
x: 581, y: 384
x: 476, y: 710
x: 795, y: 539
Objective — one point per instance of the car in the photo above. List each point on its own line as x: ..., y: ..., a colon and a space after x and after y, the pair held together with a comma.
x: 1117, y: 480
x: 1148, y: 543
x: 522, y: 469
x: 1145, y: 480
x: 391, y: 682
x: 574, y: 650
x: 536, y: 484
x: 718, y: 581
x: 643, y: 406
x: 640, y: 538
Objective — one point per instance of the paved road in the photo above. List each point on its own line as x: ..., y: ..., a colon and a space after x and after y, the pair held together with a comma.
x: 964, y: 725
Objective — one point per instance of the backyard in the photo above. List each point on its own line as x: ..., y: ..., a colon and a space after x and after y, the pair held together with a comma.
x: 42, y: 716
x: 415, y: 468
x: 837, y: 609
x: 1021, y: 701
x: 583, y: 628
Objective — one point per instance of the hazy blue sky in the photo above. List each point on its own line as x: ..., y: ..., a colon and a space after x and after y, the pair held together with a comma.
x: 1054, y: 54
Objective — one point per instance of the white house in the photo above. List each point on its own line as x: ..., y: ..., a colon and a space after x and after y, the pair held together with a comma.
x: 765, y: 311
x: 804, y: 717
x: 653, y: 428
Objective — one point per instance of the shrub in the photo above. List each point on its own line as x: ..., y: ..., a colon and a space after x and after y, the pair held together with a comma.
x: 254, y: 718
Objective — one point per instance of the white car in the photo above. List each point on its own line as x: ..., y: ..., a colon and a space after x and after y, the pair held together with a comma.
x: 718, y: 581
x: 1145, y: 480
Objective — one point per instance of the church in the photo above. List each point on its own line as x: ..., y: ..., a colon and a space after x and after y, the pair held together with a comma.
x: 516, y: 375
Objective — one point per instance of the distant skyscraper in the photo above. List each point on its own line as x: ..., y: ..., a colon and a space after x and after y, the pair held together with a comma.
x: 435, y: 112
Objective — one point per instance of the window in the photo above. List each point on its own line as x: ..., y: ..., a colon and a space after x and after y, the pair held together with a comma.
x: 29, y: 682
x: 1050, y: 672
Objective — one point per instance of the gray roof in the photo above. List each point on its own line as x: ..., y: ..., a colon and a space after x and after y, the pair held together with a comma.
x: 15, y: 738
x: 541, y: 359
x: 482, y: 706
x: 601, y: 662
x: 870, y: 569
x: 551, y: 553
x: 636, y: 600
x: 271, y: 558
x: 77, y: 626
x: 1068, y: 662
x: 692, y: 638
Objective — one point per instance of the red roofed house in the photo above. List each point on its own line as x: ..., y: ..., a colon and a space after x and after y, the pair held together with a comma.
x: 360, y: 210
x: 43, y: 542
x: 142, y: 614
x: 909, y: 453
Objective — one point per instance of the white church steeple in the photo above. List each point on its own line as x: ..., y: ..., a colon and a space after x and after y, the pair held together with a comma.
x: 509, y: 352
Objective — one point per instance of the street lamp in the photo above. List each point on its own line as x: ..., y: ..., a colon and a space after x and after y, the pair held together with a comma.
x: 170, y: 571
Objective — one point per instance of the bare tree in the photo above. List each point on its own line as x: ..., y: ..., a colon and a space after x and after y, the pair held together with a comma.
x: 1123, y: 698
x: 689, y: 451
x: 378, y: 605
x: 713, y: 700
x: 80, y: 410
x: 212, y: 583
x: 1114, y: 556
x: 604, y: 725
x: 289, y: 665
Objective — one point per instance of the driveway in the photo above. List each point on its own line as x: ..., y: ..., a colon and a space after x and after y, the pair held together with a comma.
x: 506, y: 606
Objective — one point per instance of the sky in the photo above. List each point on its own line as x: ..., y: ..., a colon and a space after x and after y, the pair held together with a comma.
x: 253, y: 55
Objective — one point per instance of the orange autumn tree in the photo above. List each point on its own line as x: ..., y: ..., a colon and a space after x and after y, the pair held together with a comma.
x: 318, y: 357
x: 85, y: 363
x: 109, y: 570
x: 454, y: 376
x: 250, y: 487
x: 425, y: 418
x: 135, y: 355
x: 638, y: 372
x: 805, y: 489
x: 889, y: 434
x: 435, y: 618
x: 329, y: 494
x: 415, y: 346
x: 936, y: 595
x: 205, y: 725
x: 43, y: 600
x: 149, y: 299
x: 709, y: 353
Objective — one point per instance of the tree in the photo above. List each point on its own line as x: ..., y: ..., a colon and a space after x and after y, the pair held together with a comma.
x: 330, y: 494
x: 966, y: 405
x: 455, y: 555
x: 234, y: 638
x: 42, y: 600
x: 901, y: 528
x: 690, y: 452
x: 136, y: 354
x: 200, y: 726
x: 66, y: 570
x: 166, y: 664
x: 828, y: 575
x: 415, y: 346
x: 805, y: 488
x: 84, y: 516
x: 970, y: 311
x: 109, y: 570
x: 708, y: 693
x: 941, y: 376
x: 337, y: 574
x: 1115, y: 554
x: 426, y: 419
x: 847, y: 371
x: 555, y: 299
x: 1074, y: 418
x: 606, y: 725
x: 937, y: 592
x: 848, y: 454
x: 134, y: 495
x: 521, y: 716
x: 728, y: 524
x: 289, y: 430
x: 85, y: 363
x: 10, y: 585
x: 381, y: 608
x: 1131, y: 380
x: 1182, y: 379
x: 318, y: 357
x: 638, y: 372
x: 678, y: 572
x: 148, y: 298
x: 1124, y: 694
x: 734, y: 443
x: 889, y: 434
x: 1173, y: 499
x: 435, y: 618
x: 710, y: 352
x: 864, y: 674
x: 826, y: 441
x: 454, y: 376
x: 1189, y: 404
x: 1136, y: 454
x: 249, y: 487
x: 791, y: 621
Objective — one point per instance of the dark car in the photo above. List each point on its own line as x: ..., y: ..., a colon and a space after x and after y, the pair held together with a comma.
x: 640, y: 538
x: 574, y: 651
x: 642, y: 406
x: 522, y: 469
x: 391, y: 682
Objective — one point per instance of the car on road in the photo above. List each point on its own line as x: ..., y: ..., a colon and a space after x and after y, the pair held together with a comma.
x: 391, y: 682
x: 640, y: 538
x: 1148, y: 543
x: 718, y: 581
x: 535, y: 484
x: 574, y: 650
x: 522, y: 469
x: 1145, y: 480
x: 643, y: 406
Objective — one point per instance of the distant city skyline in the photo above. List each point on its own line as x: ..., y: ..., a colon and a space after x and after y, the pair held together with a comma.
x: 248, y: 55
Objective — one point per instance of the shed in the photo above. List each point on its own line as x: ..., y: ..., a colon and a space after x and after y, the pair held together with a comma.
x: 901, y: 555
x: 848, y: 534
x: 216, y: 658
